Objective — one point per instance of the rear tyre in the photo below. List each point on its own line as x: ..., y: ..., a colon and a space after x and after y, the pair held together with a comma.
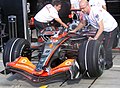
x: 91, y: 58
x: 116, y: 41
x: 14, y: 48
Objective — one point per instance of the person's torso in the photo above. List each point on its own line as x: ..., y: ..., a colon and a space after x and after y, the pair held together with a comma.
x: 75, y: 3
x: 97, y: 14
x: 98, y: 3
x: 46, y: 14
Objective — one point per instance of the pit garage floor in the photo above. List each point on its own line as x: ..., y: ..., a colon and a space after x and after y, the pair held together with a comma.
x: 109, y: 79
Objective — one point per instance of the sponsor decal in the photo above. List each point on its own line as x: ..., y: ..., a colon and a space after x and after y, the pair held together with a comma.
x: 24, y: 66
x: 97, y: 17
x: 23, y: 61
x: 68, y: 63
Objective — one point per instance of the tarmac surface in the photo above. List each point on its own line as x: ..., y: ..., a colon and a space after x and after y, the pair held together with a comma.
x: 109, y: 79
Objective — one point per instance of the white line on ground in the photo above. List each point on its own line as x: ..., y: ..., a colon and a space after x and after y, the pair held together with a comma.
x: 118, y: 66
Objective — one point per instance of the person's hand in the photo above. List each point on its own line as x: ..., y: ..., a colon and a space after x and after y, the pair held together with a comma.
x: 66, y: 26
x: 91, y: 38
x: 73, y: 31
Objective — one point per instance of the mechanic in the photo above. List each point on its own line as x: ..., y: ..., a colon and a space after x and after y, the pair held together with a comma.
x: 106, y: 25
x: 75, y: 4
x: 100, y: 3
x: 47, y: 14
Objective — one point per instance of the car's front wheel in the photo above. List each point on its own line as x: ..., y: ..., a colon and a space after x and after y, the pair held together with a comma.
x: 91, y: 58
x: 14, y: 48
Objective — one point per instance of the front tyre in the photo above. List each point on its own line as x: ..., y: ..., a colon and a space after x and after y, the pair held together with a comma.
x: 14, y: 48
x: 91, y: 58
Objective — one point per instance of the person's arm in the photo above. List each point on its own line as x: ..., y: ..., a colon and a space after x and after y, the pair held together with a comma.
x: 80, y: 25
x: 99, y: 32
x: 72, y: 4
x: 72, y: 7
x: 103, y: 3
x: 104, y: 7
x: 62, y: 23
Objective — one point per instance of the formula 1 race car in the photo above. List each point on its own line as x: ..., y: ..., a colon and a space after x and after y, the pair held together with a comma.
x: 59, y: 55
x: 62, y: 56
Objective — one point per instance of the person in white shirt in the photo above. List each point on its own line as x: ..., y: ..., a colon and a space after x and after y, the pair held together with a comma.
x: 106, y: 25
x: 75, y: 4
x: 99, y: 3
x: 47, y: 14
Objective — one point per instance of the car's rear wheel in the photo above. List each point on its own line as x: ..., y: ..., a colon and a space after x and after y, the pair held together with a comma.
x: 14, y: 48
x: 91, y: 58
x: 116, y: 41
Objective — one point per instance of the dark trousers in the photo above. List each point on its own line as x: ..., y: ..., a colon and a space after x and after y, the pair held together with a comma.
x: 40, y: 25
x: 108, y: 41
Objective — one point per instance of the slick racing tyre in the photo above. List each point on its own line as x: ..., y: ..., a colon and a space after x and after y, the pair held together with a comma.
x: 117, y: 37
x: 91, y: 58
x: 116, y: 41
x: 14, y: 48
